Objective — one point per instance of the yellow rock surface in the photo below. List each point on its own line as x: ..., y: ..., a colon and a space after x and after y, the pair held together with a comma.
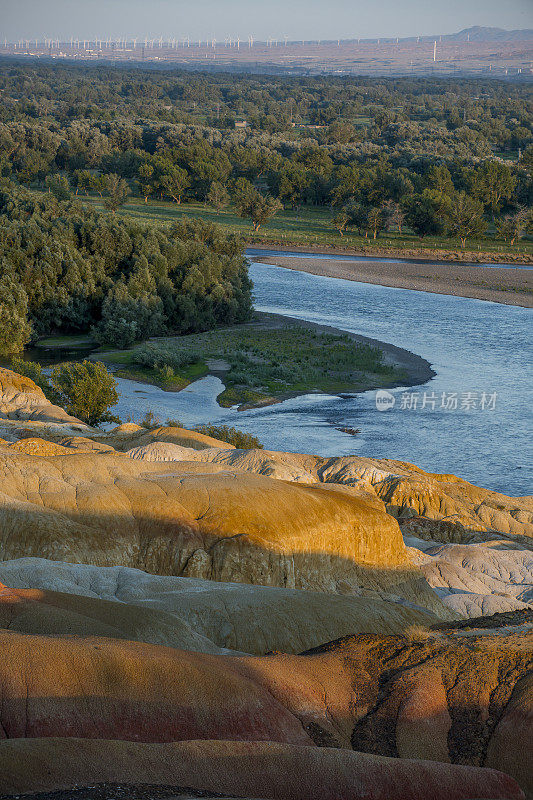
x: 428, y: 505
x: 35, y: 446
x: 202, y: 521
x: 126, y: 440
x: 22, y: 399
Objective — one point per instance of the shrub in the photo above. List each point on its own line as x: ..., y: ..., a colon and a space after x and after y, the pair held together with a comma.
x: 166, y: 372
x: 34, y: 371
x: 157, y: 356
x: 239, y: 439
x: 174, y: 423
x: 150, y: 420
x: 86, y: 390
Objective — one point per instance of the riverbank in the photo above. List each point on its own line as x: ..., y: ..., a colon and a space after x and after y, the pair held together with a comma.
x: 510, y: 286
x: 270, y: 359
x: 430, y: 253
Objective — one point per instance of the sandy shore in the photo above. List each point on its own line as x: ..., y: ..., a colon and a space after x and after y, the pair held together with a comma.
x: 511, y: 286
x: 465, y: 257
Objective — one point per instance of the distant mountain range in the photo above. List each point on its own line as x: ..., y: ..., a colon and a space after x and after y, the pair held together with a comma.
x: 480, y: 34
x: 474, y: 34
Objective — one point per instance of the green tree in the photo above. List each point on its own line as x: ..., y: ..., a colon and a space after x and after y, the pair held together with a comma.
x: 465, y: 218
x: 395, y: 215
x: 15, y: 330
x: 377, y: 220
x: 58, y: 186
x: 34, y: 371
x: 492, y: 183
x: 98, y: 183
x: 423, y: 214
x: 218, y: 196
x: 146, y: 186
x: 128, y: 315
x: 346, y: 182
x: 357, y: 215
x: 260, y: 209
x: 81, y: 180
x: 514, y: 226
x: 117, y: 191
x: 340, y: 222
x: 439, y: 179
x: 242, y: 193
x: 86, y: 390
x: 175, y: 182
x: 290, y: 183
x: 526, y: 160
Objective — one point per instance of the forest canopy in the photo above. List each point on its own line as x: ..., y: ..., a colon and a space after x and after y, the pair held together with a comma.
x: 65, y: 269
x: 429, y: 156
x: 377, y: 152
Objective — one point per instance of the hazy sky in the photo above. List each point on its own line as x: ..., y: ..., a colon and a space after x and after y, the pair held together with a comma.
x: 309, y: 19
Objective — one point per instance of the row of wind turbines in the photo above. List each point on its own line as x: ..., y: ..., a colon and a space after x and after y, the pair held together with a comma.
x: 154, y: 43
x: 139, y: 42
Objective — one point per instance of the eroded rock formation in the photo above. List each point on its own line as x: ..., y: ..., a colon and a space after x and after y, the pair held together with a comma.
x: 201, y: 520
x: 451, y: 697
x: 249, y: 552
x: 22, y: 399
x: 184, y: 612
x: 242, y: 769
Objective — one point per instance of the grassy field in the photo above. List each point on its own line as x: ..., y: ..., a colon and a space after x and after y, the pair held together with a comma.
x: 260, y: 362
x: 65, y: 342
x: 309, y: 227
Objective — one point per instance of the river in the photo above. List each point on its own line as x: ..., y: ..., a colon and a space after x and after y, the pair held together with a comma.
x: 481, y: 352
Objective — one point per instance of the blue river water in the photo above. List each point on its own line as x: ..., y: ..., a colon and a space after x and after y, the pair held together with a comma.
x: 481, y: 352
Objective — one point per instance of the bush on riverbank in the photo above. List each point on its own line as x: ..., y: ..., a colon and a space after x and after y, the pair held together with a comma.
x: 224, y: 433
x: 86, y: 390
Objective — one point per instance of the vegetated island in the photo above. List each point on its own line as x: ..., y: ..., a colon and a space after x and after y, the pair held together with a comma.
x: 270, y: 359
x: 510, y: 286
